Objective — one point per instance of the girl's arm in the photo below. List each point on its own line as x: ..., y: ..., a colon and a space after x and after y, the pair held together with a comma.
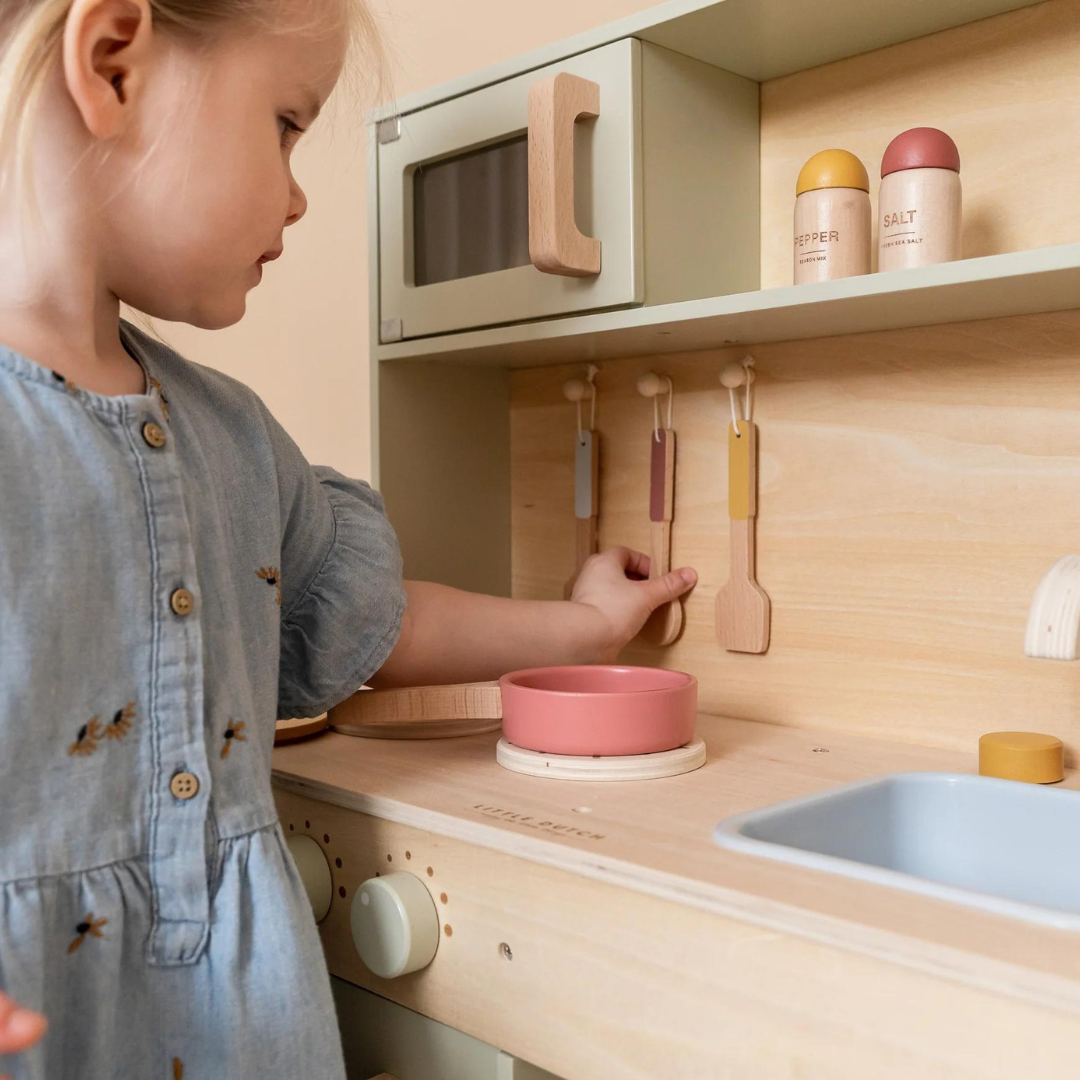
x: 450, y: 636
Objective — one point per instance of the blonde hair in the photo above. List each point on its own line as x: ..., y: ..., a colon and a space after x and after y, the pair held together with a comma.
x: 31, y: 32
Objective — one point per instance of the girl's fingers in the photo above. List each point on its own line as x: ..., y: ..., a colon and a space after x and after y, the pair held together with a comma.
x: 633, y: 562
x: 670, y: 587
x: 19, y: 1028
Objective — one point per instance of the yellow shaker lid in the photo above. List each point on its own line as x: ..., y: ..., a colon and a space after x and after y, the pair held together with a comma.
x: 1022, y: 755
x: 832, y: 168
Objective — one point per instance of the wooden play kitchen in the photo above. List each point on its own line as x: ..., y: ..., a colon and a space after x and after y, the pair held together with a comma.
x: 869, y: 528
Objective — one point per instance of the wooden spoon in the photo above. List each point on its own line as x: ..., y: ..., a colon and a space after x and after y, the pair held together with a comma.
x: 742, y: 605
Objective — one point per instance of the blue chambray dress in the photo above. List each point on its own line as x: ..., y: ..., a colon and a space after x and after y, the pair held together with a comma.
x: 174, y: 576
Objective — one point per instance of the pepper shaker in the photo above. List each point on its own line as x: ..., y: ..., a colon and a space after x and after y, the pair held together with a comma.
x: 919, y: 202
x: 832, y: 218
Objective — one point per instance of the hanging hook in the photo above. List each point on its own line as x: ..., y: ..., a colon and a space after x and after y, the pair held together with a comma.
x: 574, y: 390
x: 738, y: 374
x: 651, y: 385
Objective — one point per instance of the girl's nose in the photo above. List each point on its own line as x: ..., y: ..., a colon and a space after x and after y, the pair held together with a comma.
x: 297, y: 203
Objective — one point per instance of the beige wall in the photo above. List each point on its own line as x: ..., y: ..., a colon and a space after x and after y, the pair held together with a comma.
x: 303, y: 345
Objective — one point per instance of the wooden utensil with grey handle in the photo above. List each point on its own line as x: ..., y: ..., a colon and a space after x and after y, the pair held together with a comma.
x: 742, y: 605
x: 586, y: 501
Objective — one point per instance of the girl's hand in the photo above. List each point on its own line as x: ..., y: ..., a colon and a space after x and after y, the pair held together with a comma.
x: 611, y: 582
x: 19, y: 1028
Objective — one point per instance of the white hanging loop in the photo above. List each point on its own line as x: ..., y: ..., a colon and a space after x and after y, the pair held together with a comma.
x: 593, y: 371
x: 734, y: 414
x: 733, y: 376
x: 651, y: 385
x: 574, y: 390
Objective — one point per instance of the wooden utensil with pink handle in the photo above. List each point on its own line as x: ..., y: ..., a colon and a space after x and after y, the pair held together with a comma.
x: 742, y: 605
x: 666, y: 622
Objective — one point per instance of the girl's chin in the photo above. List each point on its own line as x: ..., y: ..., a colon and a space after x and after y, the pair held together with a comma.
x: 221, y: 315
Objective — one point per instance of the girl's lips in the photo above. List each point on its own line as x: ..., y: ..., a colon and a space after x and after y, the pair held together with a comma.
x: 269, y: 256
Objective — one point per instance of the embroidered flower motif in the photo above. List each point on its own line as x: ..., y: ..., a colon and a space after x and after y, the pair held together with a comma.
x: 89, y: 925
x: 121, y: 722
x: 87, y: 739
x: 233, y: 731
x: 164, y: 400
x: 71, y: 387
x: 271, y: 576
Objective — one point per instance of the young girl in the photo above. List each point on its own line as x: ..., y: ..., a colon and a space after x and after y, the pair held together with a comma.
x: 173, y: 574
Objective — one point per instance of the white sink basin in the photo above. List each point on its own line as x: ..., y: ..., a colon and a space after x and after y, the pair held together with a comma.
x: 1001, y: 845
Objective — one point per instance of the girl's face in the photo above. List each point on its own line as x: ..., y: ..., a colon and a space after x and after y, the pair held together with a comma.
x: 196, y: 192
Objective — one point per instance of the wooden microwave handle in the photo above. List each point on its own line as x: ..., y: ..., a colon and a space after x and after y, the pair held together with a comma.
x: 555, y: 244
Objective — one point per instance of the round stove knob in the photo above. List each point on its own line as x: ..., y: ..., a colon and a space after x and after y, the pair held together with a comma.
x: 395, y: 925
x: 314, y: 872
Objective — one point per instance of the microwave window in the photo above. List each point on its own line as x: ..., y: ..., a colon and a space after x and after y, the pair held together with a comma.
x: 471, y: 213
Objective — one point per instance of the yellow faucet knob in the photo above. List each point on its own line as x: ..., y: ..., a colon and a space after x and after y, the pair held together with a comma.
x: 1022, y: 755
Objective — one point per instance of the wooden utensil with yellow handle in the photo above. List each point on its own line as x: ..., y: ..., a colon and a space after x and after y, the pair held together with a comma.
x: 742, y: 605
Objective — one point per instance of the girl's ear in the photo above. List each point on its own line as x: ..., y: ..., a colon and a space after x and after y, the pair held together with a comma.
x: 106, y: 49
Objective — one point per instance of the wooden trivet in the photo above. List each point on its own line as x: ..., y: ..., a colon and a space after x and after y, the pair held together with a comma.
x: 632, y: 767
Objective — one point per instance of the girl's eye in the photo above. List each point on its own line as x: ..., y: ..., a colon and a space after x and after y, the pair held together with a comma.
x: 290, y: 131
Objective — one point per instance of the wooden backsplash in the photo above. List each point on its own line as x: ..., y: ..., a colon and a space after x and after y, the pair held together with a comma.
x: 915, y: 485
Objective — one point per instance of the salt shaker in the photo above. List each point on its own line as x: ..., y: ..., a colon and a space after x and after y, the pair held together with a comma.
x: 919, y: 204
x: 832, y: 218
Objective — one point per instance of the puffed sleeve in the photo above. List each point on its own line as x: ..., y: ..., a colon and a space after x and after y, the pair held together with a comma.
x: 342, y: 592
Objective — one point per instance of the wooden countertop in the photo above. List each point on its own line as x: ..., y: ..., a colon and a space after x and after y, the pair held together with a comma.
x: 653, y: 836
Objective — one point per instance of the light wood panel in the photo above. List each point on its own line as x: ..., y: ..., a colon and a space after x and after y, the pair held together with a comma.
x: 1006, y: 89
x: 914, y: 486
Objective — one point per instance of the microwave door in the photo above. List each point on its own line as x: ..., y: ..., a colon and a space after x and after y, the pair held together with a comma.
x: 495, y: 206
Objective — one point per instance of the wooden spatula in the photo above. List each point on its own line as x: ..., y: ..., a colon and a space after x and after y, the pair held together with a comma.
x: 742, y: 606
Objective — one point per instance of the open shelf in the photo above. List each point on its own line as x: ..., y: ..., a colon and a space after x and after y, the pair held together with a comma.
x: 761, y: 39
x: 1018, y: 283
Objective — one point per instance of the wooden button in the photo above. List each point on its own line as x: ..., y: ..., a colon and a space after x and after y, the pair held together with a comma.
x: 153, y: 434
x: 182, y: 602
x: 184, y: 785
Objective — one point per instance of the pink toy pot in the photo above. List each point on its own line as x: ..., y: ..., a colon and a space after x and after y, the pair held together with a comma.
x: 598, y: 710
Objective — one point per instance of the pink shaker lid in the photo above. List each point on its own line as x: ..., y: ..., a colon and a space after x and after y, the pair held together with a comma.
x: 920, y: 148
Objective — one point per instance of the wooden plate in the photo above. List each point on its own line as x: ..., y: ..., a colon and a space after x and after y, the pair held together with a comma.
x: 420, y: 712
x: 419, y: 729
x: 290, y: 730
